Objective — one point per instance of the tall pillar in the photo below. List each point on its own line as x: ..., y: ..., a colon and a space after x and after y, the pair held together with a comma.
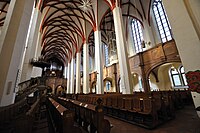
x: 186, y: 36
x: 72, y: 76
x: 145, y: 82
x: 78, y: 72
x: 31, y: 45
x: 65, y: 72
x: 125, y: 73
x: 98, y: 62
x: 85, y: 68
x: 12, y: 43
x: 68, y: 77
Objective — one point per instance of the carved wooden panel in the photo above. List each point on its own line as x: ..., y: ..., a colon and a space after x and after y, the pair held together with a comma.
x: 171, y: 51
x: 154, y: 55
x: 56, y: 82
x: 134, y: 62
x: 110, y: 71
x: 105, y: 72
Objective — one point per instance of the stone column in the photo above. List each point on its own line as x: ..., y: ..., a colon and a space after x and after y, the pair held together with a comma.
x: 78, y: 72
x: 85, y: 68
x: 31, y: 45
x: 68, y: 77
x: 65, y: 72
x: 12, y: 44
x: 98, y: 62
x: 125, y: 73
x: 72, y: 76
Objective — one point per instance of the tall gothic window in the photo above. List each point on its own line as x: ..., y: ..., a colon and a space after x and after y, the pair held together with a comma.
x: 162, y: 21
x: 137, y: 35
x: 106, y: 50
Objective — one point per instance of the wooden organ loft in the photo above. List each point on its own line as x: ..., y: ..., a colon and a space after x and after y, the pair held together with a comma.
x: 53, y: 68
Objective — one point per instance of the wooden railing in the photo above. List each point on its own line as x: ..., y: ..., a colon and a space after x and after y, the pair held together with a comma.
x: 26, y: 88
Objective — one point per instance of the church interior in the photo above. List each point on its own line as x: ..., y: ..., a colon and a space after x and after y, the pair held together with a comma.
x: 99, y: 66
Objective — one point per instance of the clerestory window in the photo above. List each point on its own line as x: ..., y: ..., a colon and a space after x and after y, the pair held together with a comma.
x: 162, y: 21
x: 137, y: 35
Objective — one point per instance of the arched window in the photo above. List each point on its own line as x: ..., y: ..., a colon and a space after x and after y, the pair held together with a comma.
x: 178, y: 77
x: 108, y: 85
x: 106, y: 50
x: 91, y: 63
x: 182, y: 74
x: 137, y: 35
x: 175, y: 77
x: 162, y: 21
x: 140, y: 84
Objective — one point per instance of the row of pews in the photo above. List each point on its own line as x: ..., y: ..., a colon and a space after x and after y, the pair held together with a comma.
x: 53, y: 115
x: 77, y: 115
x: 144, y: 109
x: 85, y: 113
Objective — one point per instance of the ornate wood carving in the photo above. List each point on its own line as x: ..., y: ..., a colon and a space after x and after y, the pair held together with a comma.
x: 162, y: 54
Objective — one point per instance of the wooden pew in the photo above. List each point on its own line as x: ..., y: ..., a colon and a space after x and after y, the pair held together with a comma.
x: 138, y: 108
x: 144, y: 109
x: 62, y: 118
x: 89, y: 116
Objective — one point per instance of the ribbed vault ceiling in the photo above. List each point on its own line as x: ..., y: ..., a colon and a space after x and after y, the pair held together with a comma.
x: 67, y: 24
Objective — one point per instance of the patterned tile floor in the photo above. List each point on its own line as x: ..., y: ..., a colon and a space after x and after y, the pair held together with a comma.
x: 186, y: 121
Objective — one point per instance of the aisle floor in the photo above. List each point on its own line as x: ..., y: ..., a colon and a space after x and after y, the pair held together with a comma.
x: 186, y: 121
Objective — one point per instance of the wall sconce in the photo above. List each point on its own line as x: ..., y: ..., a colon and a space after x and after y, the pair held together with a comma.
x: 172, y: 67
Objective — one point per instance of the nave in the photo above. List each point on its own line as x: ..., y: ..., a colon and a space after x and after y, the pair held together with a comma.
x: 105, y: 113
x: 77, y: 65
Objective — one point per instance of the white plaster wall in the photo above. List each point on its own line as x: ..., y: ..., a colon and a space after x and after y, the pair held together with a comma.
x: 31, y: 46
x: 185, y: 35
x: 16, y: 45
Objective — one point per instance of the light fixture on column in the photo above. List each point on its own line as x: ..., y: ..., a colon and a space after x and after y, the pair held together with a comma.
x: 144, y: 44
